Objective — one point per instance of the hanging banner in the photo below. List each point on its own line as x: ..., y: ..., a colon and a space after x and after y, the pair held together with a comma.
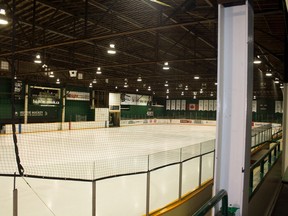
x: 211, y: 105
x: 201, y: 105
x: 134, y: 99
x: 215, y: 105
x: 173, y: 105
x: 78, y: 96
x: 178, y: 104
x: 168, y: 106
x: 254, y: 106
x: 278, y: 106
x: 192, y: 107
x: 206, y: 105
x: 183, y: 105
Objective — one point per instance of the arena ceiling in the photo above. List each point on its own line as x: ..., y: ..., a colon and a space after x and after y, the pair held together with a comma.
x: 75, y: 35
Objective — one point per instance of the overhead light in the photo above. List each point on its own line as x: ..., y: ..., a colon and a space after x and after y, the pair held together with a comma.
x: 51, y: 74
x: 15, y: 77
x: 216, y: 83
x: 136, y: 90
x: 98, y: 70
x: 196, y: 77
x: 116, y: 87
x: 94, y: 81
x: 125, y: 85
x: 73, y: 73
x: 254, y: 97
x: 276, y: 81
x: 166, y: 84
x: 90, y: 85
x: 149, y: 88
x: 201, y: 91
x: 3, y: 17
x: 182, y: 93
x: 166, y: 66
x: 186, y: 88
x: 211, y: 94
x: 268, y: 74
x: 139, y: 79
x: 257, y: 60
x: 44, y: 66
x: 282, y: 87
x: 111, y: 50
x: 58, y: 81
x: 194, y: 97
x: 37, y: 59
x: 167, y: 96
x: 167, y: 91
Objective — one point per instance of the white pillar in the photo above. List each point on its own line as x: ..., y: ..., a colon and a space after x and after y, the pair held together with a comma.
x: 234, y: 103
x: 285, y: 129
x: 26, y: 104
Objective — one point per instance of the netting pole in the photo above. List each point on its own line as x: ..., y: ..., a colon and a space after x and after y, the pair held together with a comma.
x: 15, y: 198
x: 180, y: 175
x: 148, y: 190
x: 94, y: 198
x: 13, y: 75
x: 26, y: 105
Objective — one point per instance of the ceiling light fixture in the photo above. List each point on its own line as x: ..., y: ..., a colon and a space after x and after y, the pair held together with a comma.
x: 166, y: 66
x: 111, y: 49
x: 268, y: 74
x: 194, y: 97
x: 58, y: 81
x: 90, y: 85
x: 37, y: 59
x: 98, y: 70
x: 276, y: 81
x: 94, y: 81
x: 257, y: 60
x: 51, y: 74
x: 166, y: 84
x: 186, y: 88
x: 254, y: 97
x: 139, y: 79
x: 196, y: 77
x: 149, y: 88
x: 182, y: 93
x: 282, y: 87
x: 216, y: 83
x: 201, y: 91
x: 167, y: 97
x: 116, y: 87
x: 3, y: 17
x: 125, y: 85
x: 136, y: 90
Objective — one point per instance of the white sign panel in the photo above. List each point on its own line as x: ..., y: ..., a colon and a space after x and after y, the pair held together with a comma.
x: 173, y: 105
x: 183, y: 105
x: 201, y: 104
x: 178, y: 104
x: 215, y: 105
x: 206, y: 105
x: 254, y: 106
x: 278, y: 106
x: 211, y: 105
x: 168, y: 106
x: 80, y: 96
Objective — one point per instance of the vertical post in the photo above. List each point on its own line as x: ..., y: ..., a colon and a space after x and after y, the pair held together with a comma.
x: 26, y: 104
x: 93, y: 100
x: 234, y: 103
x: 180, y: 176
x: 148, y: 190
x: 15, y: 198
x: 94, y: 198
x: 63, y: 107
x: 200, y: 170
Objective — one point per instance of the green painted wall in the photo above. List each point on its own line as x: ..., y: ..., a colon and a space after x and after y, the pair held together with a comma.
x: 135, y: 112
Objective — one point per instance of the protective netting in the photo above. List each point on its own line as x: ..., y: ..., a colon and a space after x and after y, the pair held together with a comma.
x: 97, y: 153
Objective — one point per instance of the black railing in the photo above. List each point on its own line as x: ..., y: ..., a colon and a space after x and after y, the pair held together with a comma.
x: 221, y: 195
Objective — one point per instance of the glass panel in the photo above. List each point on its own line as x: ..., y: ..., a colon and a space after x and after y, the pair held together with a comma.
x: 190, y: 175
x: 164, y: 158
x: 207, y: 167
x: 164, y: 186
x: 190, y: 151
x: 124, y: 195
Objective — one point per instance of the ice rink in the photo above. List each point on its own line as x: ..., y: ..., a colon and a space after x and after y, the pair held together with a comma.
x: 84, y: 154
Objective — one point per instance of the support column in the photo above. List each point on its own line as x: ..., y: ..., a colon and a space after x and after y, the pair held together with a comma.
x: 26, y: 104
x: 234, y: 103
x: 285, y: 129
